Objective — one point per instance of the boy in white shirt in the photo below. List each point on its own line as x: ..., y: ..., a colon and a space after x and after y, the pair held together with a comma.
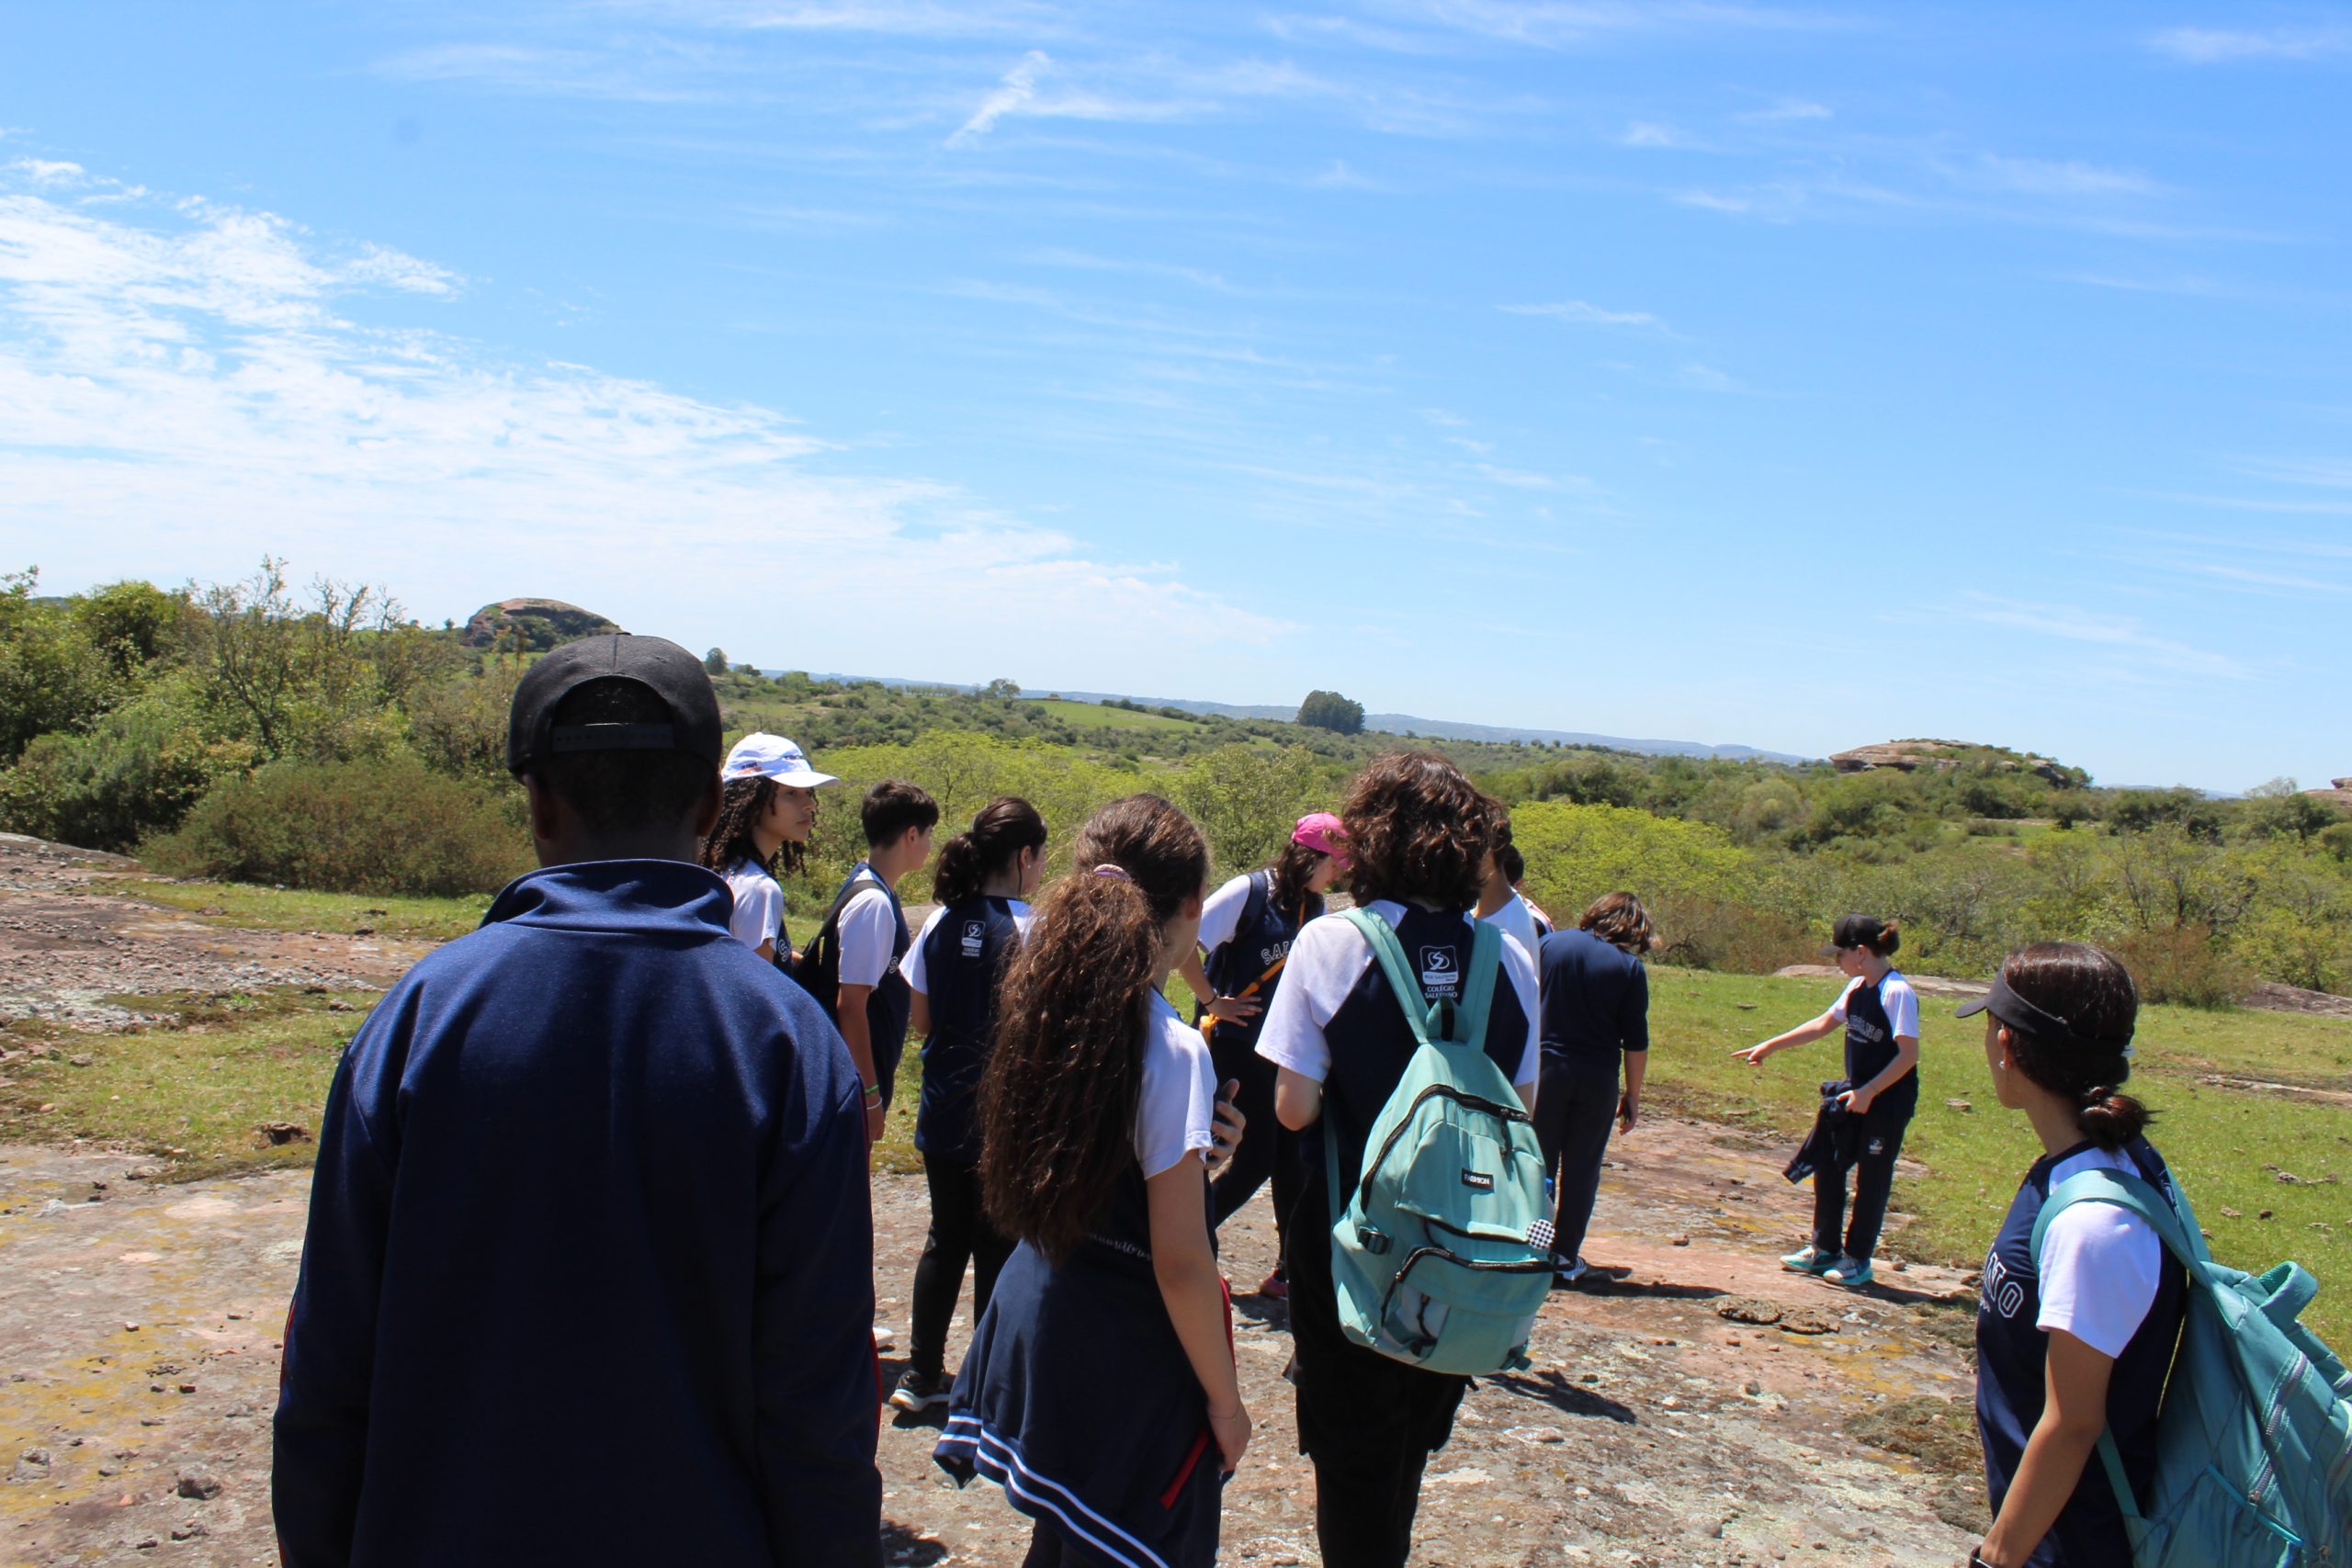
x: 871, y: 1001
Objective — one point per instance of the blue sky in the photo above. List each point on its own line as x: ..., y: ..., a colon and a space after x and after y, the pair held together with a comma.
x: 1785, y: 375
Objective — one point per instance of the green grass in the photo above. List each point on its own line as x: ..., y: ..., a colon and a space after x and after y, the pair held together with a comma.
x: 193, y: 1091
x: 2223, y: 1145
x: 1094, y: 715
x: 253, y: 908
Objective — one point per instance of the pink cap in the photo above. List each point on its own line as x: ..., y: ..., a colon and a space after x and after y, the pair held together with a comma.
x: 1323, y: 831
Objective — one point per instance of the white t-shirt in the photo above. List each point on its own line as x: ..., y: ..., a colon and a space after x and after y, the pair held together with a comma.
x: 912, y: 965
x: 1330, y: 957
x: 1221, y: 914
x: 1901, y: 1002
x: 2099, y: 1264
x: 868, y: 932
x: 1518, y: 921
x: 759, y: 904
x: 1177, y: 1105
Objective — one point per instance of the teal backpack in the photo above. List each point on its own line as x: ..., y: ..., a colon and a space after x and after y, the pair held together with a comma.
x: 1441, y: 1249
x: 2254, y: 1444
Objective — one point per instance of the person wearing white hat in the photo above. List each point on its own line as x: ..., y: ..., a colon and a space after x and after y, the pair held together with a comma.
x: 765, y: 814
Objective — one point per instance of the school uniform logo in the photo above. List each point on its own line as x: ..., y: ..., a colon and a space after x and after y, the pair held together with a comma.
x: 1440, y: 972
x: 2001, y: 1291
x: 975, y: 933
x: 1273, y: 951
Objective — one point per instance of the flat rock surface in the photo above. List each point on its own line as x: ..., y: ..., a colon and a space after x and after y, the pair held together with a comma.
x: 139, y: 1345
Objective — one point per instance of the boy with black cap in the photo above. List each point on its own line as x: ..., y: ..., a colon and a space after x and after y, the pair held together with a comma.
x: 591, y: 1184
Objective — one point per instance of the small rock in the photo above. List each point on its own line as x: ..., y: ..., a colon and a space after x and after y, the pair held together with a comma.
x: 1749, y: 1311
x: 1680, y: 1241
x: 1752, y: 1388
x: 80, y: 1061
x: 188, y: 1532
x: 278, y: 1132
x: 2232, y: 1215
x: 198, y: 1485
x: 2263, y: 1215
x: 188, y: 1387
x: 1958, y: 1105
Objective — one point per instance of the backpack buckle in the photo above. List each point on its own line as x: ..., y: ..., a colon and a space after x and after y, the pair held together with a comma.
x: 1371, y: 1240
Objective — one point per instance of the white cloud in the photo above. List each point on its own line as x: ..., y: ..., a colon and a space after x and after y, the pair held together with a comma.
x: 1585, y: 314
x: 2138, y: 653
x: 1789, y: 109
x: 1651, y: 134
x: 1019, y: 87
x: 2042, y: 176
x: 182, y: 389
x: 2221, y: 46
x: 1560, y: 24
x: 1707, y: 378
x: 1017, y: 93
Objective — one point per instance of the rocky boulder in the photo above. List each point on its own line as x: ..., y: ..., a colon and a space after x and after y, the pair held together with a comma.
x: 533, y: 625
x: 1909, y: 756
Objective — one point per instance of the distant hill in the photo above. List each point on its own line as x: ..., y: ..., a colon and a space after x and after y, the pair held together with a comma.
x: 1386, y: 723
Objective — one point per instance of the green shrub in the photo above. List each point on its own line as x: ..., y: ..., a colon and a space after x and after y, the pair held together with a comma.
x: 136, y: 774
x: 378, y: 826
x: 2184, y: 965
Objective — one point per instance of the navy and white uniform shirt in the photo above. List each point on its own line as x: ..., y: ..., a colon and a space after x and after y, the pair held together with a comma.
x: 1873, y: 1017
x: 1335, y: 1019
x: 1246, y: 932
x: 957, y: 964
x: 2104, y: 1278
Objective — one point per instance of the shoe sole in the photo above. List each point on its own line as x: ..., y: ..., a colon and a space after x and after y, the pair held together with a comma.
x: 1853, y: 1284
x: 1815, y: 1269
x: 915, y: 1404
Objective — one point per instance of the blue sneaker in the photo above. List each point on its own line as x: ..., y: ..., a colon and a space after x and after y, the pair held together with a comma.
x: 1811, y: 1259
x: 1850, y: 1272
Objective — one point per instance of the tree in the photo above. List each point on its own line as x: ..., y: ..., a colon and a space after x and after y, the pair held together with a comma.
x: 1329, y: 710
x: 1001, y: 689
x: 714, y: 662
x: 300, y: 677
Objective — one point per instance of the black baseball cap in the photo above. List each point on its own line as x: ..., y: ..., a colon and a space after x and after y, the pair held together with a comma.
x: 659, y: 665
x: 1857, y: 930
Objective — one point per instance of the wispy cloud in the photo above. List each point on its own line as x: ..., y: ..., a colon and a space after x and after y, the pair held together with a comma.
x: 186, y: 379
x: 1018, y: 94
x: 1655, y: 133
x: 2223, y: 46
x: 1584, y: 313
x: 2137, y: 652
x: 2043, y: 176
x: 1564, y: 24
x: 1789, y: 109
x: 1707, y: 378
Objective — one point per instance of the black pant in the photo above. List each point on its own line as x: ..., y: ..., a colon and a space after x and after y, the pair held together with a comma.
x: 959, y: 1234
x: 1575, y: 1102
x: 1369, y: 1424
x: 1269, y: 1149
x: 1874, y: 1146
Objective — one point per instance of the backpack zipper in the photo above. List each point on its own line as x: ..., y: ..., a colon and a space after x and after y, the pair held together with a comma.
x: 1460, y: 1096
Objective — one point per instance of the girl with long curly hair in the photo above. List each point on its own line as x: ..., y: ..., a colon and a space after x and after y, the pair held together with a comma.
x: 767, y: 809
x: 1420, y: 835
x: 1100, y: 1389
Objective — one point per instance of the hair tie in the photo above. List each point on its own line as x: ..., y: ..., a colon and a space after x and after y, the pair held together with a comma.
x: 1119, y: 872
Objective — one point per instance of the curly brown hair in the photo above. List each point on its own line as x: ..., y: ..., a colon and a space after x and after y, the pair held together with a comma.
x: 1057, y: 1103
x: 742, y: 803
x: 1619, y: 920
x: 1419, y: 831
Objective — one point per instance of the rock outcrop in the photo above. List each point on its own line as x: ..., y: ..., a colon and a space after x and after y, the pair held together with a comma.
x: 533, y: 625
x: 1909, y: 756
x: 2339, y: 795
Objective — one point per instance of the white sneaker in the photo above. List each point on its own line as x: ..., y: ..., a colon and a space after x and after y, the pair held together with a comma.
x: 883, y: 1337
x: 1573, y: 1272
x: 1849, y: 1272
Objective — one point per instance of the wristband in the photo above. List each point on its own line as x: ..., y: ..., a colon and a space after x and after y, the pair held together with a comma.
x: 873, y: 1094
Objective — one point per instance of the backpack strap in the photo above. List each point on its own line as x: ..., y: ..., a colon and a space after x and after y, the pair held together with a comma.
x: 1253, y: 909
x: 2141, y: 1197
x: 1463, y: 1022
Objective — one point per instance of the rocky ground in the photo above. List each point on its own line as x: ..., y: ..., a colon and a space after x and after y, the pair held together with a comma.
x: 1694, y: 1404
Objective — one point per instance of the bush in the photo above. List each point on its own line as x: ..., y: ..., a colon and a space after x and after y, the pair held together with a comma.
x: 379, y: 825
x: 135, y: 774
x: 2183, y: 964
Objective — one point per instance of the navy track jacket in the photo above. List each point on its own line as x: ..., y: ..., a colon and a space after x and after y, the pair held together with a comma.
x: 589, y: 1274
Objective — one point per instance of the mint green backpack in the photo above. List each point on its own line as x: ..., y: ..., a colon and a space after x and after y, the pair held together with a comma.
x: 2253, y: 1443
x: 1441, y: 1249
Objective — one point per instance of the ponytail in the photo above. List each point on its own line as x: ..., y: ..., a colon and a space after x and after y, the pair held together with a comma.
x: 1057, y: 1103
x: 2110, y: 1118
x: 1005, y: 827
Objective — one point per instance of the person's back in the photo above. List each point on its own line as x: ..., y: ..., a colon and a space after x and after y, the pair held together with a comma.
x: 591, y: 1197
x: 1595, y: 996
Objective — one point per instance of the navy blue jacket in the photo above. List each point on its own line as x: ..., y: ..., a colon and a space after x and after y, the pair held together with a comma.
x: 1594, y: 998
x: 589, y: 1274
